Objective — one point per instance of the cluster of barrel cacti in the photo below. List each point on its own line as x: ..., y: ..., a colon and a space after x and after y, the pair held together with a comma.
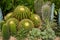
x: 21, y: 17
x: 23, y: 23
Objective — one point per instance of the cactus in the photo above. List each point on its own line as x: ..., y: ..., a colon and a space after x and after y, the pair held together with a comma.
x: 46, y: 11
x: 21, y: 12
x: 9, y: 15
x: 37, y: 6
x: 59, y: 17
x: 5, y: 32
x: 12, y: 23
x: 52, y: 11
x: 26, y: 24
x: 1, y: 24
x: 36, y: 20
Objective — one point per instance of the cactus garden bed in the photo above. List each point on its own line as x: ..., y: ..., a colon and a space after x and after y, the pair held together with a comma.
x: 24, y: 23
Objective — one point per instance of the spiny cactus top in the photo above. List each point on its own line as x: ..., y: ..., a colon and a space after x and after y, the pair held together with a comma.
x: 36, y: 20
x: 26, y: 24
x: 21, y: 12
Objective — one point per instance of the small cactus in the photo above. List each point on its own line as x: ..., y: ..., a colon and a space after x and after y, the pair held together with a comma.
x: 37, y: 6
x: 52, y: 11
x: 9, y: 15
x: 26, y: 24
x: 1, y: 24
x: 21, y: 12
x: 36, y: 20
x: 59, y: 17
x: 46, y: 11
x: 12, y: 23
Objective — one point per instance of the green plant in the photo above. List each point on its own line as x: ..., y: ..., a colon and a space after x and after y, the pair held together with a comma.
x: 52, y: 11
x: 12, y: 23
x: 34, y: 34
x: 37, y: 6
x: 21, y: 12
x: 9, y: 15
x: 26, y: 24
x: 9, y: 5
x: 56, y: 3
x: 48, y: 34
x: 46, y: 11
x: 1, y: 24
x: 5, y: 32
x: 36, y: 20
x: 21, y: 34
x: 57, y: 30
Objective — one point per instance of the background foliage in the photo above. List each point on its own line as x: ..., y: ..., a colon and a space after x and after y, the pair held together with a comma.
x: 9, y: 5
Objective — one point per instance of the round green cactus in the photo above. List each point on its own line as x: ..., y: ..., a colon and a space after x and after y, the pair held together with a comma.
x: 5, y: 32
x: 21, y: 12
x: 36, y: 20
x: 26, y: 24
x: 12, y: 23
x: 9, y: 15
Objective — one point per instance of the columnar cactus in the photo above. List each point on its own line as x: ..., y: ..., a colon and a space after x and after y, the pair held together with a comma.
x: 37, y: 6
x: 5, y: 32
x: 46, y: 11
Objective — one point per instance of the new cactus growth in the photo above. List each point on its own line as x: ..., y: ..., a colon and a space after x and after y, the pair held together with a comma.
x: 36, y: 19
x: 9, y: 15
x: 26, y: 24
x: 5, y: 32
x: 21, y: 12
x: 12, y: 23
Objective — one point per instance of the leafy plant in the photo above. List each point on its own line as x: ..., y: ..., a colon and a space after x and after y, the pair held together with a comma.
x: 9, y: 5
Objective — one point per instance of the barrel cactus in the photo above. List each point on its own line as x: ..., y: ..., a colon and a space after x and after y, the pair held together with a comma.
x: 21, y: 12
x: 5, y: 32
x: 9, y: 15
x: 12, y: 23
x: 26, y: 24
x: 36, y: 20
